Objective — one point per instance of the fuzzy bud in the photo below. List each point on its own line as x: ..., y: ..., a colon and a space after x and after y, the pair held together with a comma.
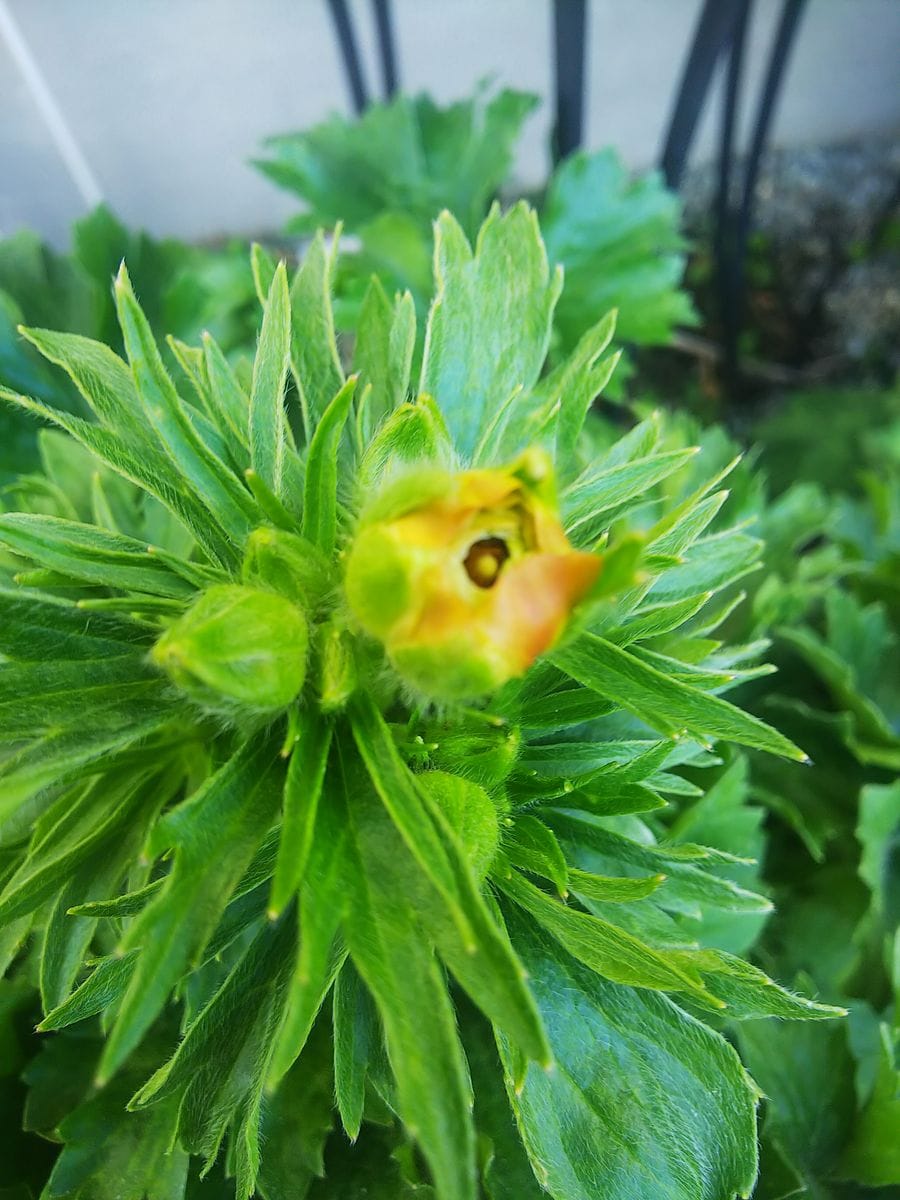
x: 466, y: 578
x: 237, y: 651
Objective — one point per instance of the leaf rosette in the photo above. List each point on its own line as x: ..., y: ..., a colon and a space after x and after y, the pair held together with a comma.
x: 236, y: 829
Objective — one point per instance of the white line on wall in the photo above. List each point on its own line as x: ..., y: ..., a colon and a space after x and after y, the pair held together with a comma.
x: 69, y: 151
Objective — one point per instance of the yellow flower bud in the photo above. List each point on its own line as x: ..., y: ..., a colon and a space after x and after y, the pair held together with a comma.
x: 466, y: 578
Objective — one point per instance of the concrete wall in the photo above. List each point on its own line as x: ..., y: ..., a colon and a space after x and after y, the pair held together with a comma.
x: 157, y: 105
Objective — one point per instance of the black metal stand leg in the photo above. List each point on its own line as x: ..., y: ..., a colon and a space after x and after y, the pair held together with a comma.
x: 385, y: 32
x: 714, y: 31
x: 343, y: 26
x: 569, y: 27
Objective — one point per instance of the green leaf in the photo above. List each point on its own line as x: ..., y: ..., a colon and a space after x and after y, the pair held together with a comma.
x: 664, y: 703
x: 105, y: 986
x: 601, y: 488
x: 614, y: 888
x: 644, y: 1103
x: 71, y: 752
x: 605, y: 948
x: 203, y: 473
x: 619, y: 242
x: 296, y: 1120
x: 101, y: 377
x: 506, y: 1172
x: 320, y: 494
x: 88, y: 553
x: 270, y: 368
x: 382, y: 356
x: 877, y: 829
x: 321, y: 905
x: 39, y: 699
x: 575, y: 386
x: 475, y: 949
x: 302, y: 790
x: 489, y: 325
x: 89, y: 824
x: 111, y: 1154
x: 749, y: 992
x: 145, y: 466
x: 356, y: 1034
x: 590, y: 845
x: 806, y: 1074
x: 533, y: 847
x: 220, y: 1066
x: 408, y: 156
x: 125, y: 905
x: 872, y: 1156
x: 314, y: 356
x: 229, y: 400
x: 215, y: 833
x: 400, y: 970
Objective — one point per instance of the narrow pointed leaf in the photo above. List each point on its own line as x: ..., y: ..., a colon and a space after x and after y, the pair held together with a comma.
x: 267, y: 419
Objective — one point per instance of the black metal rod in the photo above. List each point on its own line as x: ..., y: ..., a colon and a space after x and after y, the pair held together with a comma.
x: 569, y: 27
x: 791, y: 12
x: 714, y: 30
x: 384, y: 30
x: 728, y: 251
x: 343, y: 27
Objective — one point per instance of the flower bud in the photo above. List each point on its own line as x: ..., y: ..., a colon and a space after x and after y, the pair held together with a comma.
x: 237, y: 650
x: 414, y: 433
x: 466, y: 578
x: 338, y: 675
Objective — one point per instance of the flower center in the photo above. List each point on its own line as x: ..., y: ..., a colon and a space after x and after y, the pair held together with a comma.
x: 485, y: 560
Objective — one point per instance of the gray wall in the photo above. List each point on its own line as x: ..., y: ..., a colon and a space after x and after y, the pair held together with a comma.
x: 157, y: 105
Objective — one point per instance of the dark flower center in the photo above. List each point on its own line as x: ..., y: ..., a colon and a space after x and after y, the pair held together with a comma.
x: 485, y: 560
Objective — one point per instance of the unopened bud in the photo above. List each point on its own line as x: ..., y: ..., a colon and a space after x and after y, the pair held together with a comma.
x: 237, y: 650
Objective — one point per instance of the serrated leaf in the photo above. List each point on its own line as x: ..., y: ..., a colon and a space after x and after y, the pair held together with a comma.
x: 489, y: 325
x: 400, y: 970
x: 467, y: 935
x: 665, y: 703
x: 382, y: 356
x: 314, y: 357
x: 302, y: 790
x: 606, y: 949
x: 202, y: 472
x: 645, y: 1102
x: 806, y: 1074
x: 111, y: 1154
x: 85, y: 552
x: 267, y: 418
x: 619, y: 242
x: 215, y: 834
